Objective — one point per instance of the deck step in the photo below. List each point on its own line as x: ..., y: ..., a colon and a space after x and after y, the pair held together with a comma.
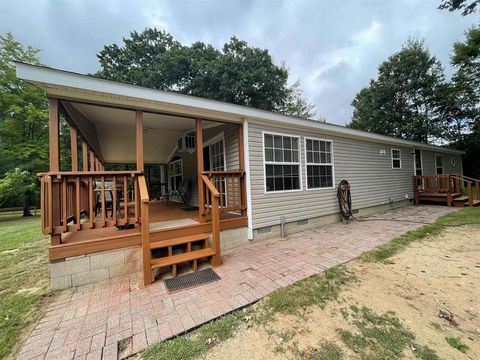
x: 178, y: 241
x: 476, y: 202
x: 461, y: 199
x: 181, y: 258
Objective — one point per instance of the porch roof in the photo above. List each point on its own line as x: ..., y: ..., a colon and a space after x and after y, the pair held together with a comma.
x: 84, y: 88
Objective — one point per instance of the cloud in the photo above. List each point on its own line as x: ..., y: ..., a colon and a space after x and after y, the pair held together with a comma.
x: 332, y: 47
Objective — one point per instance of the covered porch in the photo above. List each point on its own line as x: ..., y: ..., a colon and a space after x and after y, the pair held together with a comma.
x: 141, y: 177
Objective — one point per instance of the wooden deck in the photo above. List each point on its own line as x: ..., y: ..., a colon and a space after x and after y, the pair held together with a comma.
x: 166, y: 221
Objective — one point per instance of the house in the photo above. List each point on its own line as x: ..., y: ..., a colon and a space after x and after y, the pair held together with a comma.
x: 159, y: 179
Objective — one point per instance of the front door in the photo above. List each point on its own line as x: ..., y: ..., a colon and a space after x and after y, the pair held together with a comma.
x: 418, y: 163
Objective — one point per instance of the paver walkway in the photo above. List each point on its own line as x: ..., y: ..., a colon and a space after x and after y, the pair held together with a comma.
x: 88, y: 323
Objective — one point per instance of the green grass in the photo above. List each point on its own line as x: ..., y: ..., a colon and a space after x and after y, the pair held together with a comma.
x: 314, y: 290
x: 382, y: 337
x: 462, y: 217
x: 24, y: 276
x: 325, y: 351
x: 193, y: 345
x: 457, y: 344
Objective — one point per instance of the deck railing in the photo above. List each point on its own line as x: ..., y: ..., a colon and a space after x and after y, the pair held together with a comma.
x: 213, y: 198
x: 231, y: 187
x: 83, y: 200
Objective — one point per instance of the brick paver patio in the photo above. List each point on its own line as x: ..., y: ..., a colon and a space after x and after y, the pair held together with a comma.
x: 89, y: 322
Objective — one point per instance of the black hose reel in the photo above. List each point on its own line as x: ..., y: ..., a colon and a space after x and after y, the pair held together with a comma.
x: 345, y: 200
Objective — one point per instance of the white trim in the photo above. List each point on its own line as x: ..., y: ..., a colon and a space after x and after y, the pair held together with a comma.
x: 415, y: 161
x: 246, y: 157
x: 400, y: 158
x: 300, y: 179
x: 332, y: 163
x: 170, y: 175
x: 75, y: 86
x: 436, y: 167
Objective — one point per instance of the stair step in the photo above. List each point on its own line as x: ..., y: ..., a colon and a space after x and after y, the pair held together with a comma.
x: 476, y: 202
x: 178, y: 241
x: 456, y: 195
x: 461, y: 199
x: 180, y: 258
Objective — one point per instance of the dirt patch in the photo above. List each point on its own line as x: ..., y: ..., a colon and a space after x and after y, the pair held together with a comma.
x: 431, y: 288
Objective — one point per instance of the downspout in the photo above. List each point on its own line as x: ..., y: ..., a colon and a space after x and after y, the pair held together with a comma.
x: 247, y: 179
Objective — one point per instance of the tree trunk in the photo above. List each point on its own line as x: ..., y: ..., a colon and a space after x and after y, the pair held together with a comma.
x: 26, y: 204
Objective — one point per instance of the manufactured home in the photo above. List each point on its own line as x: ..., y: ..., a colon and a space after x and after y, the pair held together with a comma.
x: 159, y: 180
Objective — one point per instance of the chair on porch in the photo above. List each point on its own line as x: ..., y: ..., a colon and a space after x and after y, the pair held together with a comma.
x: 184, y: 192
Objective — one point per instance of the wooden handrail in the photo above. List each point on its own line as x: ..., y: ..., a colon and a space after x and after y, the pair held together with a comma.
x: 208, y: 183
x: 90, y: 173
x: 226, y: 172
x: 142, y: 184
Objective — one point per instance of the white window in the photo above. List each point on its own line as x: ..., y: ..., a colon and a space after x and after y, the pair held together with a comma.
x: 282, y: 162
x: 175, y: 174
x: 396, y: 159
x: 319, y: 163
x: 439, y: 164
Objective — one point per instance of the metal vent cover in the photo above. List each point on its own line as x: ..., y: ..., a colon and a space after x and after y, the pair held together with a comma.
x: 191, y: 280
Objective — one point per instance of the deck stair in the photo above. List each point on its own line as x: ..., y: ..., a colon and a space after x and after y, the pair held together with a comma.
x: 451, y: 190
x: 173, y: 252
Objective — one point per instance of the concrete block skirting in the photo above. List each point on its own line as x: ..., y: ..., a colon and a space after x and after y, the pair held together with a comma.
x: 274, y: 231
x: 92, y: 268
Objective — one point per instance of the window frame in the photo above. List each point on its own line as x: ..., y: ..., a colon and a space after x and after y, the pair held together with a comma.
x: 299, y: 164
x: 307, y: 163
x: 436, y: 167
x: 399, y: 158
x: 170, y: 175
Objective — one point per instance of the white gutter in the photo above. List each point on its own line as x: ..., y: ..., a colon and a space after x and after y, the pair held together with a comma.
x: 47, y: 77
x: 246, y: 155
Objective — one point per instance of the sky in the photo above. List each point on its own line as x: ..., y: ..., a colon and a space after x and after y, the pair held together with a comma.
x: 333, y: 47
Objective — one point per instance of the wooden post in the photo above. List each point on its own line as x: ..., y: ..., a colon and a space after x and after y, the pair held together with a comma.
x: 217, y: 258
x: 241, y: 163
x: 54, y: 152
x: 469, y: 194
x: 84, y: 156
x: 92, y: 160
x: 74, y: 148
x: 139, y: 139
x: 201, y: 196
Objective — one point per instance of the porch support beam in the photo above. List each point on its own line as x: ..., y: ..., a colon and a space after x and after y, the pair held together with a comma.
x: 74, y: 147
x: 139, y: 139
x: 241, y: 163
x: 54, y: 152
x: 92, y: 160
x: 84, y: 156
x: 199, y: 142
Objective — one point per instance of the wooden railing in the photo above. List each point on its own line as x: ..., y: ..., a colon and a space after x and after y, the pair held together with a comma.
x: 432, y: 183
x: 231, y: 188
x: 145, y: 229
x: 83, y: 200
x: 212, y: 196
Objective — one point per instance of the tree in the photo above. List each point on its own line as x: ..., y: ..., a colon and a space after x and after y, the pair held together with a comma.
x: 405, y: 100
x: 237, y: 73
x: 466, y: 6
x: 466, y: 82
x: 18, y: 186
x: 23, y: 116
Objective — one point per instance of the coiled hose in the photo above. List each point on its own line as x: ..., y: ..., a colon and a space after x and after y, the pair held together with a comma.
x: 345, y: 199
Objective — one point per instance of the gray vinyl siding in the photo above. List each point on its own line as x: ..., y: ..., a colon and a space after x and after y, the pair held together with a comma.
x: 189, y: 160
x: 429, y: 168
x: 372, y: 179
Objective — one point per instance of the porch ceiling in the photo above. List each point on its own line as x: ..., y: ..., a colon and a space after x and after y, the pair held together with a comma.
x: 116, y: 133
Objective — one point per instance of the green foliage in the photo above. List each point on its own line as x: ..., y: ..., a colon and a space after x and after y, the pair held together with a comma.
x: 16, y: 185
x: 404, y: 100
x: 466, y: 6
x: 237, y: 73
x: 457, y: 344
